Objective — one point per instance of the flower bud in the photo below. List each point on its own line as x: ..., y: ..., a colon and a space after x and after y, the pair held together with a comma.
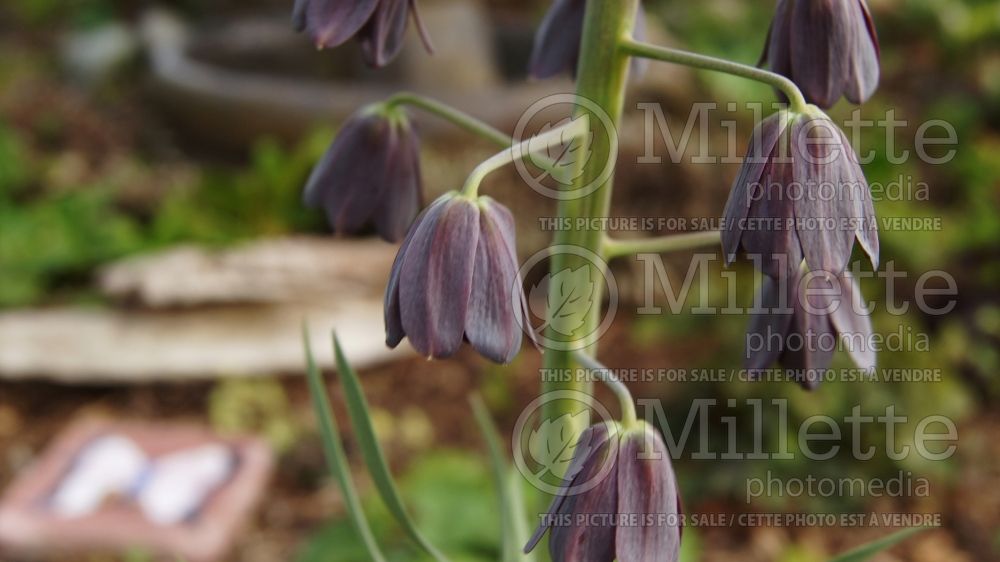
x: 370, y: 175
x: 800, y: 194
x: 619, y: 500
x: 827, y: 47
x: 455, y: 279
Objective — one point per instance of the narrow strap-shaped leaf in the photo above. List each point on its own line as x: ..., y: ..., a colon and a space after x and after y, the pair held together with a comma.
x: 334, y: 451
x: 513, y: 531
x: 866, y: 551
x: 518, y: 521
x: 357, y: 408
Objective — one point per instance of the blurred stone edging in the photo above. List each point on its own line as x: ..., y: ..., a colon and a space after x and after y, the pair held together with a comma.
x: 191, y: 313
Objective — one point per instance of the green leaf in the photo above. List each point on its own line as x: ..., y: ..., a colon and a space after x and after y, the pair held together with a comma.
x: 357, y: 408
x: 445, y: 482
x: 569, y: 300
x: 513, y: 533
x: 866, y: 551
x: 334, y: 451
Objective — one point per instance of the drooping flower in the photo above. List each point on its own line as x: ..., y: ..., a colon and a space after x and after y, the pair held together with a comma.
x: 456, y: 279
x: 829, y: 48
x: 557, y: 42
x: 802, y: 320
x: 619, y: 500
x: 800, y: 194
x: 379, y: 25
x: 370, y: 175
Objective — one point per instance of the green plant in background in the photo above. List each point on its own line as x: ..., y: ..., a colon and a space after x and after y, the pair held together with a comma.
x: 227, y: 206
x: 258, y: 406
x: 866, y: 552
x: 436, y: 486
x: 77, y: 12
x: 51, y: 240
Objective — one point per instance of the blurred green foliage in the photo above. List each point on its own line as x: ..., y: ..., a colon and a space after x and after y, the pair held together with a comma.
x: 264, y: 199
x: 450, y: 497
x: 51, y: 240
x: 254, y: 406
x: 44, y: 243
x: 79, y: 13
x: 720, y: 341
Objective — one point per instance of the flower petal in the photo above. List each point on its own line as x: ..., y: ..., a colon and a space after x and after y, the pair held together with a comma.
x: 403, y: 193
x: 425, y: 36
x: 824, y: 203
x: 647, y: 487
x: 557, y: 42
x: 853, y: 323
x: 591, y: 440
x: 863, y: 70
x: 762, y: 142
x: 332, y: 22
x: 864, y: 211
x: 770, y: 239
x: 776, y: 50
x: 769, y: 325
x: 583, y: 538
x: 811, y: 340
x: 299, y: 15
x: 382, y: 38
x: 820, y: 38
x: 491, y: 325
x: 394, y: 332
x: 436, y: 278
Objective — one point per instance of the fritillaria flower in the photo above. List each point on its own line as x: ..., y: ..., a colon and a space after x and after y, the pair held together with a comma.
x: 800, y: 194
x: 370, y: 175
x: 379, y: 25
x: 619, y: 500
x: 803, y: 319
x: 557, y: 43
x: 456, y: 279
x: 827, y: 47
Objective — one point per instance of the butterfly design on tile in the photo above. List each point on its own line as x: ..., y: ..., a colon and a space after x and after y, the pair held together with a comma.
x: 168, y: 489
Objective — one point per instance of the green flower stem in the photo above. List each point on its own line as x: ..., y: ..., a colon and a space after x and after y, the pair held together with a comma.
x: 602, y: 74
x: 448, y: 113
x: 463, y: 121
x: 660, y: 244
x: 548, y: 139
x: 666, y: 54
x: 611, y: 381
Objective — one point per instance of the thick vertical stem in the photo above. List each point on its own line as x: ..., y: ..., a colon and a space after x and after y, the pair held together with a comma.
x: 601, y: 79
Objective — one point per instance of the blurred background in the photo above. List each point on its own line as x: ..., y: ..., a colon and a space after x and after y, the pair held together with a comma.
x: 156, y: 262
